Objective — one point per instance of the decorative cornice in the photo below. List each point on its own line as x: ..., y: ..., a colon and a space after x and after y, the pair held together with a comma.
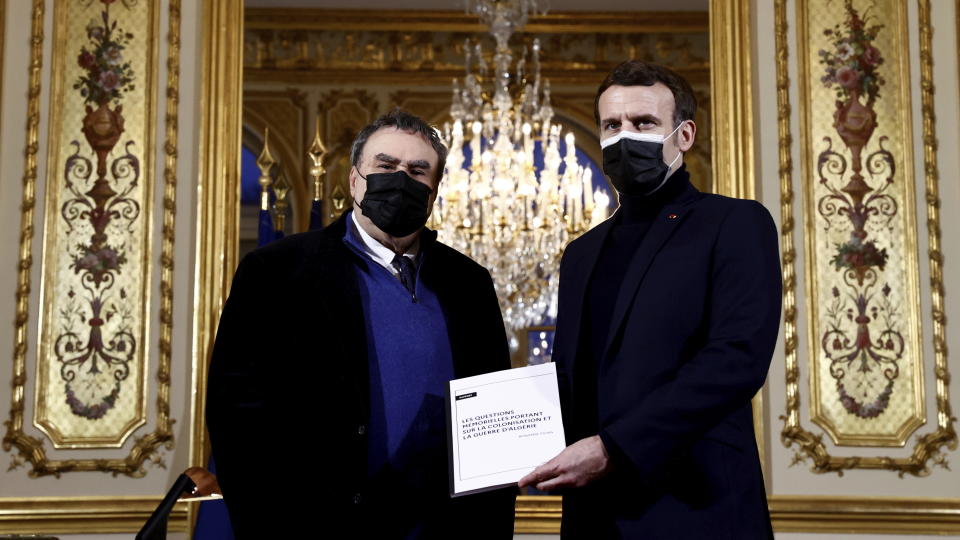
x: 457, y: 21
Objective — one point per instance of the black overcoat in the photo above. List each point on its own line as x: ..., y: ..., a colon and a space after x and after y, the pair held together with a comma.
x: 287, y: 400
x: 691, y: 338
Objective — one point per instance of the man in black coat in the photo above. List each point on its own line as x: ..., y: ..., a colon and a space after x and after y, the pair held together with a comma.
x: 668, y: 317
x: 325, y: 395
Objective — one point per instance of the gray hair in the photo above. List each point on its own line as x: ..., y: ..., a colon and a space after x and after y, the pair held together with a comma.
x: 403, y: 121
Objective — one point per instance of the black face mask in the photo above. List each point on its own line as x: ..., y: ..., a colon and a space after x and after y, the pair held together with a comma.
x: 395, y: 203
x: 636, y: 167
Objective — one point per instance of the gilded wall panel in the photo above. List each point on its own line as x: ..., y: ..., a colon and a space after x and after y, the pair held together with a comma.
x: 859, y: 204
x: 91, y: 381
x: 865, y: 357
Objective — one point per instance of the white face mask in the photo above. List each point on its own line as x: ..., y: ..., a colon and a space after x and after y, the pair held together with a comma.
x: 634, y: 161
x: 643, y: 137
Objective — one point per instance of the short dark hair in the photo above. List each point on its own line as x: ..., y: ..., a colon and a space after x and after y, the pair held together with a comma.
x: 403, y: 121
x: 638, y: 73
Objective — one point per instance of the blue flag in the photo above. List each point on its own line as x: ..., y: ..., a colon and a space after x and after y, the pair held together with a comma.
x: 265, y: 232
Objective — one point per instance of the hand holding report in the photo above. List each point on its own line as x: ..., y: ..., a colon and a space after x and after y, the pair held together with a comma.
x: 501, y: 426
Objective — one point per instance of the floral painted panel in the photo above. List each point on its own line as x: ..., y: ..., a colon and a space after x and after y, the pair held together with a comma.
x: 96, y: 268
x: 859, y: 205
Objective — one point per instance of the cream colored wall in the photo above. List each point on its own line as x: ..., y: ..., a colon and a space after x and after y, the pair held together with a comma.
x: 798, y: 480
x: 16, y: 483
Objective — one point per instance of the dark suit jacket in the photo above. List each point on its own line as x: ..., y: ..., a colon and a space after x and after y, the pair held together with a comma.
x: 287, y: 399
x: 691, y: 338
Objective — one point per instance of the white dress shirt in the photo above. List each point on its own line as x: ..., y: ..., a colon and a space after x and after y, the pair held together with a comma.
x: 380, y: 253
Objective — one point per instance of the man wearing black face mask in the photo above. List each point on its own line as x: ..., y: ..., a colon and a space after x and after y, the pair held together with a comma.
x: 376, y: 317
x: 668, y: 316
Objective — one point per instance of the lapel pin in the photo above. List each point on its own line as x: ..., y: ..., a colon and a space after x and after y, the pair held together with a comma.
x: 672, y: 216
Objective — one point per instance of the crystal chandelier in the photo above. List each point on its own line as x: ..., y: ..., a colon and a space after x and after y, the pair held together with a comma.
x: 492, y: 203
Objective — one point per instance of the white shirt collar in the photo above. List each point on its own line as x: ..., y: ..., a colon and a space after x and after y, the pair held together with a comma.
x: 380, y: 253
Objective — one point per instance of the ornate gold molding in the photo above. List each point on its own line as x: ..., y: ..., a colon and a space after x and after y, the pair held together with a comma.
x: 77, y: 515
x: 864, y: 515
x: 870, y: 515
x: 538, y: 514
x: 731, y: 87
x: 928, y: 447
x: 218, y: 204
x: 945, y: 435
x: 164, y: 434
x: 787, y: 223
x: 29, y: 447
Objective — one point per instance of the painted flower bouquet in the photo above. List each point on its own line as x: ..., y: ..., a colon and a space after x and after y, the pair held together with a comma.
x: 851, y: 64
x: 857, y: 256
x: 106, y: 75
x: 97, y: 261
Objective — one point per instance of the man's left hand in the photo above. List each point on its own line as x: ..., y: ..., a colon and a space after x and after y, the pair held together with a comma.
x: 579, y: 464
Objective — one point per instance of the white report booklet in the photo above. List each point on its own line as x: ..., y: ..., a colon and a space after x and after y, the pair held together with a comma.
x: 501, y: 426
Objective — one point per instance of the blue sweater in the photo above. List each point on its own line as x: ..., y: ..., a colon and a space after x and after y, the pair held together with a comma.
x: 410, y: 362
